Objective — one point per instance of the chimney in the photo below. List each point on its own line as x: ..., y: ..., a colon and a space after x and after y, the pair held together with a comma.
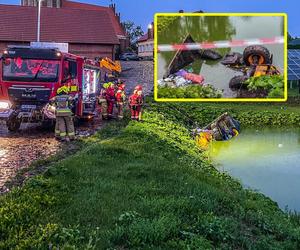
x: 150, y: 31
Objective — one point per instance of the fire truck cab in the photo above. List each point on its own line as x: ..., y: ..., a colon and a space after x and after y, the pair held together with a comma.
x: 30, y: 77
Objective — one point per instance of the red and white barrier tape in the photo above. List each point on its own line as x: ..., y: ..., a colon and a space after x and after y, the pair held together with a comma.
x: 220, y: 44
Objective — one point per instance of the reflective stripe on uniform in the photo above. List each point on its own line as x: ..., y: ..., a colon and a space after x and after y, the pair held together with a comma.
x: 73, y: 88
x: 71, y: 134
x: 63, y: 134
x: 63, y: 110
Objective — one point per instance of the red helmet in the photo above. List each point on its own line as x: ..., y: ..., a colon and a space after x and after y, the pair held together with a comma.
x: 138, y: 88
x: 121, y: 87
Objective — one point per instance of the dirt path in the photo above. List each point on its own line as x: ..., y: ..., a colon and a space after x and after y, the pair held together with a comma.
x: 18, y: 150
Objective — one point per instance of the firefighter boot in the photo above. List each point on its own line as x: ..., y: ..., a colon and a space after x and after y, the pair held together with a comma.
x: 62, y: 127
x: 104, y: 109
x: 132, y: 110
x: 70, y: 127
x: 57, y: 131
x: 140, y: 113
x: 120, y: 111
x: 110, y: 109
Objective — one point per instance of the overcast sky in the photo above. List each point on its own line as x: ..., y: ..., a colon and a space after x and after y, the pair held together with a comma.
x: 142, y: 11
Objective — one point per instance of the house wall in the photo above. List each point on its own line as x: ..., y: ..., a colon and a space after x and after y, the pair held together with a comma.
x: 88, y: 50
x: 145, y: 49
x: 92, y: 50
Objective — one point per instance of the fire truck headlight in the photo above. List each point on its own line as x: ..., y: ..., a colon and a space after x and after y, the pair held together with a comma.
x: 4, y: 105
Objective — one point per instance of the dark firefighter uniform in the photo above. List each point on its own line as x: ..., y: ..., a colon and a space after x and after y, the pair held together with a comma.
x: 102, y: 100
x: 64, y: 121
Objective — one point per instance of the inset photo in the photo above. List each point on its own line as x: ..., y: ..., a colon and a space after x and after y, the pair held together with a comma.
x: 220, y: 57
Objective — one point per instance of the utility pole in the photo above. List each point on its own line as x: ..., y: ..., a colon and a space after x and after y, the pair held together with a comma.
x: 39, y: 20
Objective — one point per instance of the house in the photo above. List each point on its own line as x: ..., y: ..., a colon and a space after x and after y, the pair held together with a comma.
x: 146, y: 43
x: 90, y: 30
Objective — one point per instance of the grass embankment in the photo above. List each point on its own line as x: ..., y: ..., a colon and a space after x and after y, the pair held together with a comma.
x: 146, y: 186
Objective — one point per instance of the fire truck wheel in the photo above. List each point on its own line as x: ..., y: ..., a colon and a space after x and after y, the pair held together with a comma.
x: 257, y: 55
x: 48, y: 124
x: 77, y: 121
x: 237, y: 82
x: 13, y: 124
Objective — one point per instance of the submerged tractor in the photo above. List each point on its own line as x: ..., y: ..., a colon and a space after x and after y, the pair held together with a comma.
x: 254, y: 62
x: 30, y: 77
x: 222, y: 128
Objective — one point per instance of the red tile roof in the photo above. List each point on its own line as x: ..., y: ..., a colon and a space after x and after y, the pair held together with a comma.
x: 19, y: 23
x: 143, y: 38
x: 84, y: 6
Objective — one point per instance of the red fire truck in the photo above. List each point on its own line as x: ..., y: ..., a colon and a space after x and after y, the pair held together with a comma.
x: 30, y: 77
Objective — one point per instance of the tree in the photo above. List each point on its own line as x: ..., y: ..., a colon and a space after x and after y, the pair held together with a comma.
x: 134, y: 32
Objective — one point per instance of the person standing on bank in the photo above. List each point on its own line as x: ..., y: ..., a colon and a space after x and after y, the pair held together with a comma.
x: 64, y: 127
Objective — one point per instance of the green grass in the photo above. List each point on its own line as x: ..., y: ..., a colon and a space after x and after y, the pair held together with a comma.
x: 189, y: 91
x: 294, y: 92
x: 146, y: 186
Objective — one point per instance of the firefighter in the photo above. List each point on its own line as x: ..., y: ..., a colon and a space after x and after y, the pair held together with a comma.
x: 135, y: 103
x: 102, y: 100
x: 120, y: 100
x: 119, y: 82
x: 110, y: 99
x: 64, y: 127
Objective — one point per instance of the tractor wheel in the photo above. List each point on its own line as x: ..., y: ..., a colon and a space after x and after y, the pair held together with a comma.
x: 13, y: 124
x: 256, y: 55
x: 237, y: 82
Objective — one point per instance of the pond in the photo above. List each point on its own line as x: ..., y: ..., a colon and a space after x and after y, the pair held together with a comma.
x: 265, y: 160
x: 212, y: 28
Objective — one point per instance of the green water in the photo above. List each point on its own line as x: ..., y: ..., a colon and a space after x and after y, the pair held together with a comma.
x: 215, y: 29
x: 266, y: 160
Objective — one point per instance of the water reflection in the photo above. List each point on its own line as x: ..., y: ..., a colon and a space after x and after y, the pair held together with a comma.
x: 205, y: 28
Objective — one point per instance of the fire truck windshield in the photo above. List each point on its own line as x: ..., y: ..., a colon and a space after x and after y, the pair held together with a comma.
x: 30, y: 70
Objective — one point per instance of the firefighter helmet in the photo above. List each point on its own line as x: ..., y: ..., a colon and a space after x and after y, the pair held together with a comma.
x: 138, y: 88
x: 63, y: 89
x: 121, y: 87
x: 105, y: 85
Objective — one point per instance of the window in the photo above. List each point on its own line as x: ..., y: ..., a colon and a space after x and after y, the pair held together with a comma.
x: 33, y: 70
x: 70, y: 70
